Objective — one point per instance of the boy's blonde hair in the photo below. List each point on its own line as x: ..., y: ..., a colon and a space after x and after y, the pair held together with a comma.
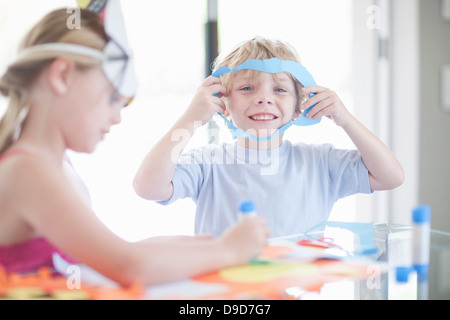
x: 259, y: 48
x: 21, y: 75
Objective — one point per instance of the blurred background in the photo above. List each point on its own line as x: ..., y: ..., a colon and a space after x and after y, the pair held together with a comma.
x: 386, y: 59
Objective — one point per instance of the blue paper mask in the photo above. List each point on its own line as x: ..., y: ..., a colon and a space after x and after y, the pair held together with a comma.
x: 273, y: 65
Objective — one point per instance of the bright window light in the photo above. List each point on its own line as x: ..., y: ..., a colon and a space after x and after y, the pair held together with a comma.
x: 167, y: 38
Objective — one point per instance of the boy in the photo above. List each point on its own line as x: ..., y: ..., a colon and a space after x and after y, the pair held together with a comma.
x: 300, y: 190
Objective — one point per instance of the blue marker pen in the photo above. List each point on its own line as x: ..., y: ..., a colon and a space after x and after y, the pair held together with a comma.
x: 421, y: 248
x: 421, y: 239
x: 247, y: 208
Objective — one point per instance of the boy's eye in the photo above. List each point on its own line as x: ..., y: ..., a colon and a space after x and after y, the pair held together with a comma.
x: 280, y: 90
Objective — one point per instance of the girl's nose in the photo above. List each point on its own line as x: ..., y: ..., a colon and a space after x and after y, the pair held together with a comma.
x: 117, y: 117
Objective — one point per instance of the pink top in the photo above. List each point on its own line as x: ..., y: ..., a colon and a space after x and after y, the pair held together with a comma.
x: 28, y: 255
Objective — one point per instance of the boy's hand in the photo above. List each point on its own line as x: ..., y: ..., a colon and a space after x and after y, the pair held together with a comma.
x: 327, y: 104
x: 205, y: 104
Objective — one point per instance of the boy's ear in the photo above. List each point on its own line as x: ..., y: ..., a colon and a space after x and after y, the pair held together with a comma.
x: 297, y: 113
x: 226, y: 113
x: 59, y: 75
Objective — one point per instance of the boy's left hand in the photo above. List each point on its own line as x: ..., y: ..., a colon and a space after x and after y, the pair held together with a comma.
x: 327, y: 103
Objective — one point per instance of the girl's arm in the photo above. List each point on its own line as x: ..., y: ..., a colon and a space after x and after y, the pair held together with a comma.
x: 49, y: 204
x: 180, y: 258
x: 385, y: 171
x: 153, y: 181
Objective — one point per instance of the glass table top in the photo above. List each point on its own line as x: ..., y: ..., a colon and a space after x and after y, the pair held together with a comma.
x: 394, y: 244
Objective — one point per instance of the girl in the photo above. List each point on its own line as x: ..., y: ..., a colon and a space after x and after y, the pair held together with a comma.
x: 63, y: 95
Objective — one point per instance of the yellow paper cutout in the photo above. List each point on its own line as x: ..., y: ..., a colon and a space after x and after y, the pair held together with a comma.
x: 83, y: 3
x: 265, y: 273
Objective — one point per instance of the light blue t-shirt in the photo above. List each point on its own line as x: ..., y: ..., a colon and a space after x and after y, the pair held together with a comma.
x: 294, y: 187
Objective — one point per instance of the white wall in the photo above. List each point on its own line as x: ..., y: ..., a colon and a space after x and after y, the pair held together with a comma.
x: 405, y: 104
x: 387, y: 96
x: 434, y: 155
x: 367, y: 25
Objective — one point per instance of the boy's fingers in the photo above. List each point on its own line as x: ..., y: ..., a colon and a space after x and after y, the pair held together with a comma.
x: 221, y: 105
x: 310, y: 102
x: 320, y: 109
x: 218, y: 90
x: 211, y: 81
x: 319, y: 95
x: 216, y: 86
x: 313, y: 89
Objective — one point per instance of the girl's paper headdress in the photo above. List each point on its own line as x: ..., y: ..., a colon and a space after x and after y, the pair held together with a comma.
x: 116, y: 58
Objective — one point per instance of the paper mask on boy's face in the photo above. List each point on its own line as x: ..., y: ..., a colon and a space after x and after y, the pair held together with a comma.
x: 116, y: 58
x: 273, y: 65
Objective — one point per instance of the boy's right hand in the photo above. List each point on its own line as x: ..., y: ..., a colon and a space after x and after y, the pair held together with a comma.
x: 246, y: 239
x: 205, y: 104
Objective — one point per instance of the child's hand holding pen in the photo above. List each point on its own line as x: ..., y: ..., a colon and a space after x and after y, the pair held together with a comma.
x: 246, y: 239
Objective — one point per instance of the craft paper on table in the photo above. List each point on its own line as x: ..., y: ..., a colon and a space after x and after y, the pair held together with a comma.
x: 271, y: 280
x: 280, y: 273
x: 363, y: 233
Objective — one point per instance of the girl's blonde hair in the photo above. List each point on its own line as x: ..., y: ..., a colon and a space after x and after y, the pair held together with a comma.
x: 259, y: 48
x: 20, y: 75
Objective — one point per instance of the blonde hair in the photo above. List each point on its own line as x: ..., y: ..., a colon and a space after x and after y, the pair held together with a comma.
x: 259, y: 48
x: 21, y: 74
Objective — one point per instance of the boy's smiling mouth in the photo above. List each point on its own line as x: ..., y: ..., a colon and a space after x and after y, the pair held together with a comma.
x: 263, y: 117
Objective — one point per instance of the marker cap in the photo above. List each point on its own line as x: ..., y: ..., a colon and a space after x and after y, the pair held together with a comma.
x: 247, y: 207
x: 421, y: 214
x: 421, y: 268
x: 402, y: 274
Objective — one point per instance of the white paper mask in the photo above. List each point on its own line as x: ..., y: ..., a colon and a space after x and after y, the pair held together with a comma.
x: 116, y: 57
